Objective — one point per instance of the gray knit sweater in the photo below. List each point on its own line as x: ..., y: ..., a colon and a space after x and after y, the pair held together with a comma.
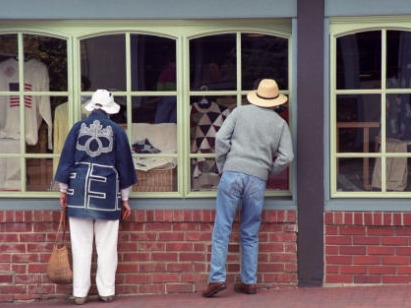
x: 249, y: 139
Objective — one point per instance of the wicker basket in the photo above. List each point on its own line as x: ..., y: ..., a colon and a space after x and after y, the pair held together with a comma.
x: 155, y: 180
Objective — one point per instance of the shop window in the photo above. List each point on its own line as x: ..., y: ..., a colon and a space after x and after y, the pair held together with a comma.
x: 261, y: 56
x: 26, y: 105
x: 174, y: 92
x: 371, y: 101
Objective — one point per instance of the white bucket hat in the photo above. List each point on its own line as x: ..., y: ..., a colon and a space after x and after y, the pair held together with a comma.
x: 267, y: 94
x: 104, y: 100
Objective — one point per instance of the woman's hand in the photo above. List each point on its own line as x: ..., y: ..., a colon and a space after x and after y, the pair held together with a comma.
x: 126, y: 211
x: 63, y: 199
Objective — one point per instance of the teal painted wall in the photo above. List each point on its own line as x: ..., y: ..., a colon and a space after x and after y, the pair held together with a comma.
x: 145, y: 9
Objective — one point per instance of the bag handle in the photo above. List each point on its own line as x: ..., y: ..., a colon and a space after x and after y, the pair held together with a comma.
x: 62, y: 227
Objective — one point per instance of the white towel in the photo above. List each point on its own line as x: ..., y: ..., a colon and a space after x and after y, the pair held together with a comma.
x: 162, y: 136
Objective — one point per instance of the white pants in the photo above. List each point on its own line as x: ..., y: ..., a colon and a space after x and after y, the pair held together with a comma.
x: 105, y: 232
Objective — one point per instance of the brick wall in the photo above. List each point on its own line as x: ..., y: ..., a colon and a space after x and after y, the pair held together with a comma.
x: 367, y: 248
x: 160, y: 251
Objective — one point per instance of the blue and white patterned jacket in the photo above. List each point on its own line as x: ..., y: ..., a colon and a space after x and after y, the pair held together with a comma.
x: 96, y: 163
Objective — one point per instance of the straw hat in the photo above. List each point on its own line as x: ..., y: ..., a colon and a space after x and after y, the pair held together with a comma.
x: 104, y: 100
x: 267, y: 94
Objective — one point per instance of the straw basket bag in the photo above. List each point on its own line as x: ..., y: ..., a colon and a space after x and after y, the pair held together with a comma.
x: 59, y: 267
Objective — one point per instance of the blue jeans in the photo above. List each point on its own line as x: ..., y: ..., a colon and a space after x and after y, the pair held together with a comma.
x: 233, y: 188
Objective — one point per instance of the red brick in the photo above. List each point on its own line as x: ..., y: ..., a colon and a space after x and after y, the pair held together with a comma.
x: 381, y: 270
x: 338, y: 259
x: 6, y: 277
x: 167, y: 256
x: 166, y: 277
x: 12, y: 248
x: 395, y: 260
x: 347, y: 230
x: 380, y: 250
x: 338, y: 240
x: 367, y: 279
x: 403, y: 251
x: 338, y: 279
x: 354, y: 269
x: 179, y: 246
x: 152, y: 268
x: 394, y: 241
x: 366, y: 260
x: 405, y: 279
x: 381, y: 231
x: 366, y: 240
x: 352, y: 250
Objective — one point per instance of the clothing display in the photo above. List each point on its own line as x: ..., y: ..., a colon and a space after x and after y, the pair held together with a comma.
x: 154, y: 138
x: 206, y: 119
x: 61, y: 128
x: 37, y: 108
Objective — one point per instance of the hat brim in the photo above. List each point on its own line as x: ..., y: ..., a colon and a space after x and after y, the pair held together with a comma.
x: 112, y: 108
x: 254, y: 99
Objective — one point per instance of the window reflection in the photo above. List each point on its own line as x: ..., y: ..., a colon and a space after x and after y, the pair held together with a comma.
x: 359, y: 61
x: 153, y: 62
x: 103, y: 62
x: 398, y: 59
x: 263, y: 56
x: 213, y: 62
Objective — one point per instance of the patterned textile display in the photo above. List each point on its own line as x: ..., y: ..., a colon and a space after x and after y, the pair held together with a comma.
x: 206, y: 119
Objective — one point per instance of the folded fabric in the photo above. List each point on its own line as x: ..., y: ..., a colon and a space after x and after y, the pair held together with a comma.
x: 144, y: 146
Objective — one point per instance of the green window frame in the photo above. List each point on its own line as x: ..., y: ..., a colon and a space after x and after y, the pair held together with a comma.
x: 73, y: 33
x: 364, y: 148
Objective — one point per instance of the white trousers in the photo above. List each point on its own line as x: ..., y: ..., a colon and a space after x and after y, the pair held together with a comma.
x: 105, y: 233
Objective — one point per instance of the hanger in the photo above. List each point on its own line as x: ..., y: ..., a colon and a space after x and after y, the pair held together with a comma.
x: 204, y: 103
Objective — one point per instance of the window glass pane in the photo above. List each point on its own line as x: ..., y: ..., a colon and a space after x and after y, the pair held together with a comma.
x: 358, y: 122
x: 39, y: 174
x: 154, y: 109
x: 263, y: 56
x: 398, y: 113
x: 155, y: 172
x: 156, y: 180
x: 213, y: 62
x: 359, y: 61
x: 8, y: 46
x: 10, y: 166
x: 398, y: 59
x: 52, y: 52
x: 103, y: 62
x: 354, y: 174
x: 279, y: 181
x: 153, y: 62
x: 204, y: 174
x: 206, y: 117
x: 396, y: 170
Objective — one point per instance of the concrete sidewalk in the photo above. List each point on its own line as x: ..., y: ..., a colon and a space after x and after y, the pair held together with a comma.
x: 341, y: 297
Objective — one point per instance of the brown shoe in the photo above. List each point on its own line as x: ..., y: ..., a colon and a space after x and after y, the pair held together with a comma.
x: 245, y: 288
x: 213, y: 288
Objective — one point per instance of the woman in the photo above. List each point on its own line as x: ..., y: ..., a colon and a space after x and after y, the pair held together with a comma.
x: 95, y: 173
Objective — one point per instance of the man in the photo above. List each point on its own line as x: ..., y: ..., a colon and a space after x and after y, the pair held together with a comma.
x: 253, y: 143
